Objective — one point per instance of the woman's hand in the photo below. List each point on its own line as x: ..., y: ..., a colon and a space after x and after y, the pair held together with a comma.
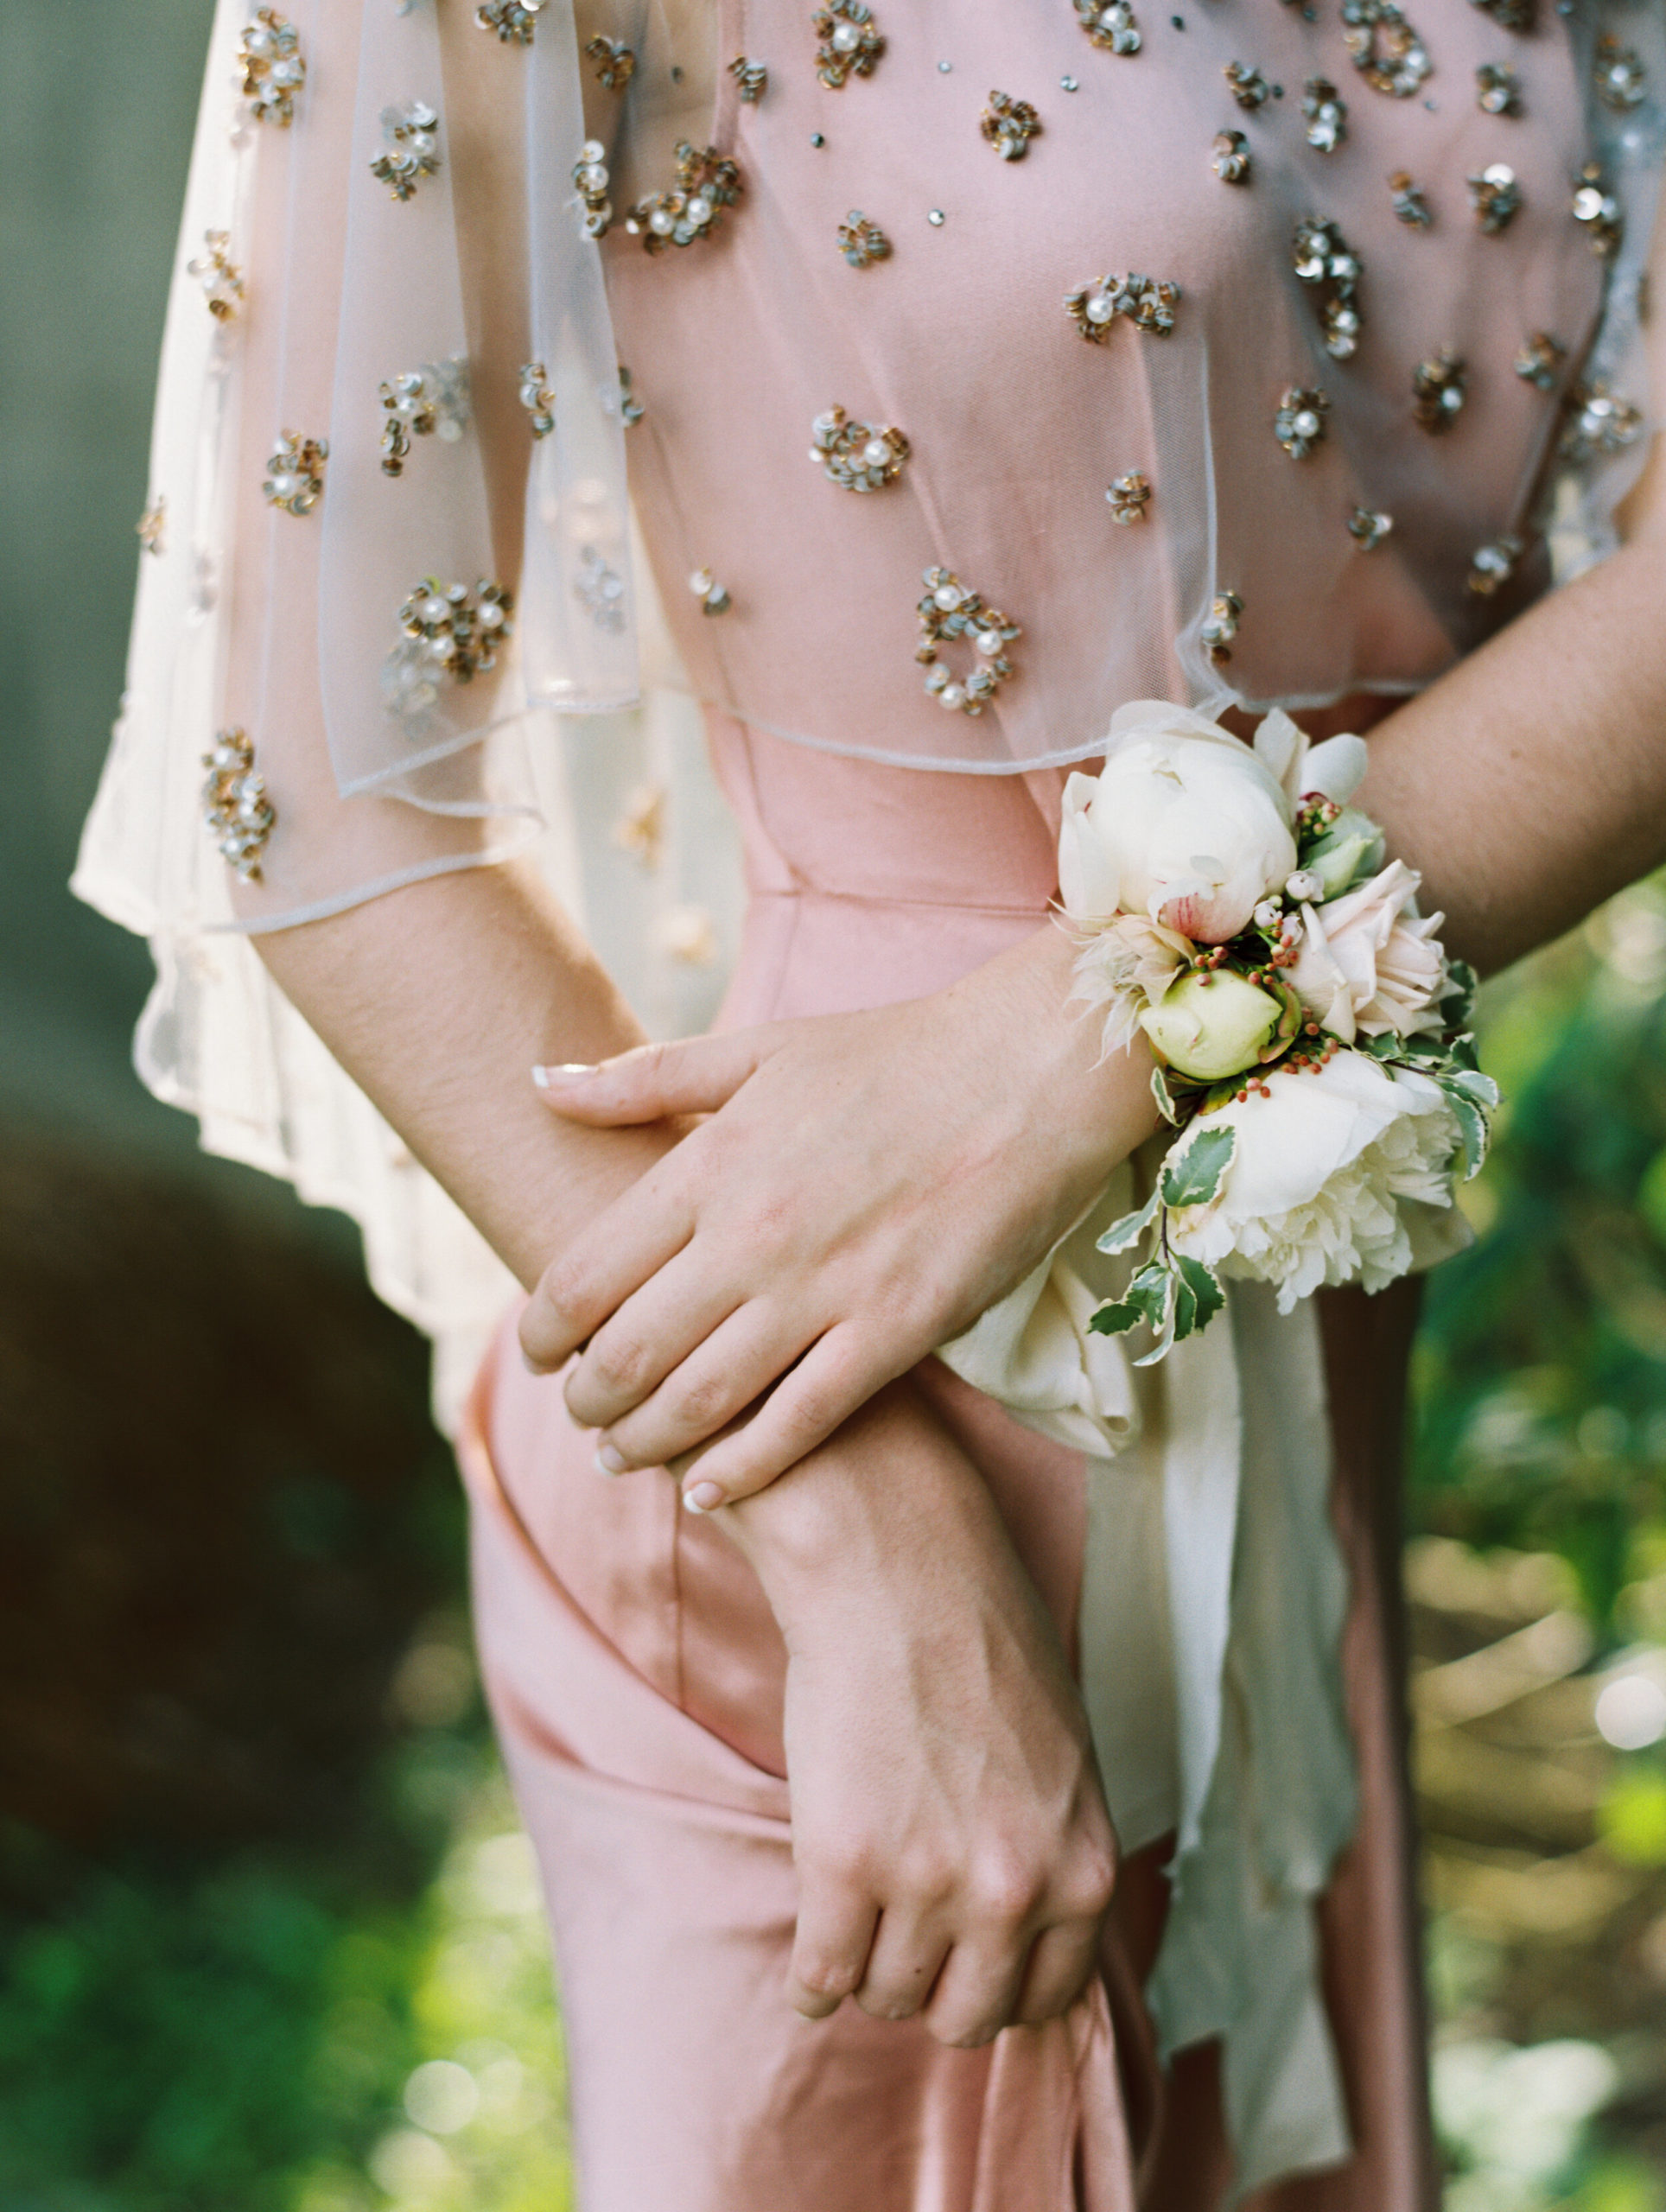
x: 955, y: 1858
x: 866, y: 1185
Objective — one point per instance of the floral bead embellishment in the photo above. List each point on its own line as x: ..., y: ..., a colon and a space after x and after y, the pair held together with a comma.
x: 295, y: 474
x: 1326, y: 115
x: 274, y: 68
x: 236, y: 810
x: 1409, y: 201
x: 1248, y: 87
x: 1384, y: 49
x: 515, y: 22
x: 1220, y: 627
x: 1540, y: 360
x: 1440, y: 387
x: 848, y: 42
x: 1498, y: 90
x: 220, y: 276
x: 600, y: 590
x: 432, y: 401
x: 1598, y: 210
x: 590, y: 181
x: 614, y: 61
x: 1328, y: 266
x: 1147, y: 303
x: 714, y: 597
x: 857, y: 456
x: 1128, y: 497
x: 948, y: 612
x: 861, y: 242
x: 1299, y: 425
x: 1111, y: 24
x: 1009, y: 125
x: 1495, y: 197
x: 446, y: 631
x: 751, y: 78
x: 1230, y: 158
x: 1599, y: 422
x: 1368, y: 527
x: 537, y: 398
x: 707, y: 183
x: 151, y: 528
x: 1492, y: 565
x: 1621, y: 79
x: 411, y: 150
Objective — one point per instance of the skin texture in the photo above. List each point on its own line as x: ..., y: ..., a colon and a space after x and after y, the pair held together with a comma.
x: 962, y: 1871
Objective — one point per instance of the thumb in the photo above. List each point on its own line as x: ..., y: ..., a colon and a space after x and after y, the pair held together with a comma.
x: 692, y: 1075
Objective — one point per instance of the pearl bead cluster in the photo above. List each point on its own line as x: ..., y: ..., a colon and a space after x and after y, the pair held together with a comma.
x: 948, y: 611
x: 236, y: 811
x: 1493, y: 565
x: 751, y: 78
x: 1326, y: 115
x: 590, y: 181
x: 274, y: 68
x: 856, y: 456
x: 220, y: 276
x: 537, y: 399
x: 614, y: 62
x: 411, y: 150
x: 1009, y: 125
x: 1440, y: 387
x: 850, y: 42
x: 295, y: 474
x: 1230, y: 158
x: 432, y: 401
x: 1599, y: 422
x: 458, y: 631
x: 1328, y: 266
x: 1300, y: 423
x: 1384, y: 49
x: 1109, y: 24
x: 1495, y: 196
x: 1220, y: 630
x: 513, y: 21
x: 861, y: 242
x: 707, y: 183
x: 1148, y: 304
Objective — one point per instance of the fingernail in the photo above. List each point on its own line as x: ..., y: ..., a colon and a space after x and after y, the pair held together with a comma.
x: 702, y: 1497
x: 568, y: 1071
x: 610, y: 1460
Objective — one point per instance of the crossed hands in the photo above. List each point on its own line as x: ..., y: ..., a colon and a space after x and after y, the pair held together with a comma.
x: 860, y: 1188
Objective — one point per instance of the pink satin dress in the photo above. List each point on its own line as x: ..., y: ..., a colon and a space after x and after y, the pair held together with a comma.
x: 634, y: 1669
x: 635, y: 1675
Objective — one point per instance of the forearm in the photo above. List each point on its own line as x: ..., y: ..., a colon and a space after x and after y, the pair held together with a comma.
x: 1530, y: 783
x: 439, y: 999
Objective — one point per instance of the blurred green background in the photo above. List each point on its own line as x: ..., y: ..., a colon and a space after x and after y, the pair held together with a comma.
x: 269, y: 1936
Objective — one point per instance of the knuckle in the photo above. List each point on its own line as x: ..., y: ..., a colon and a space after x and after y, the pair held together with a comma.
x: 617, y: 1362
x: 699, y: 1403
x: 824, y: 1974
x: 1005, y: 1887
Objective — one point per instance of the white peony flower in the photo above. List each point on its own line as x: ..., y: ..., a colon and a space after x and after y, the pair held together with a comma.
x: 1333, y: 1171
x: 1183, y: 824
x: 1368, y: 965
x: 1128, y: 965
x: 1333, y: 769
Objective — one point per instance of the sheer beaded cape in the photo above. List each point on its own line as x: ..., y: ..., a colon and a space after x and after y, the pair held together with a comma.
x: 965, y: 371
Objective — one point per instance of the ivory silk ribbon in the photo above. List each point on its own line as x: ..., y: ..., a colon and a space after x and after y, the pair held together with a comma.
x: 1235, y: 1423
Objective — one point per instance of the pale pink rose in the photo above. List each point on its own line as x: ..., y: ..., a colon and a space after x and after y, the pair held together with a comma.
x: 1369, y: 964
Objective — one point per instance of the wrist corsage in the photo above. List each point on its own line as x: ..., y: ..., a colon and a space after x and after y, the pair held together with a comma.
x: 1311, y: 1035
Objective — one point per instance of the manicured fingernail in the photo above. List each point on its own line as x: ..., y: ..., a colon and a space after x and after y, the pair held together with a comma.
x: 610, y: 1460
x: 702, y: 1497
x: 568, y: 1071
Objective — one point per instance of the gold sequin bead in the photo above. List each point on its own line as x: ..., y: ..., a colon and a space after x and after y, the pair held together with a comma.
x: 1148, y: 304
x: 1009, y: 125
x: 1111, y: 24
x: 948, y: 612
x: 274, y: 68
x: 1495, y: 197
x: 861, y: 242
x: 614, y: 62
x: 1327, y: 264
x: 1540, y: 360
x: 1408, y: 201
x: 411, y: 149
x: 714, y: 597
x: 446, y: 631
x: 220, y: 276
x: 856, y: 456
x: 514, y: 20
x: 1599, y: 422
x: 1384, y: 49
x: 537, y: 398
x: 1300, y: 423
x: 850, y: 42
x: 1230, y: 158
x: 236, y: 811
x: 1598, y: 210
x: 1368, y: 527
x: 1326, y: 115
x: 295, y: 474
x: 1128, y: 497
x: 751, y: 78
x: 1498, y: 90
x: 707, y: 183
x: 590, y: 181
x: 1622, y: 82
x: 1440, y: 386
x: 1492, y: 565
x: 1220, y: 628
x: 1249, y: 88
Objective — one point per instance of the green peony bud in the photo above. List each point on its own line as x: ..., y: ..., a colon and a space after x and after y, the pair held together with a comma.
x: 1211, y: 1026
x: 1350, y: 849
